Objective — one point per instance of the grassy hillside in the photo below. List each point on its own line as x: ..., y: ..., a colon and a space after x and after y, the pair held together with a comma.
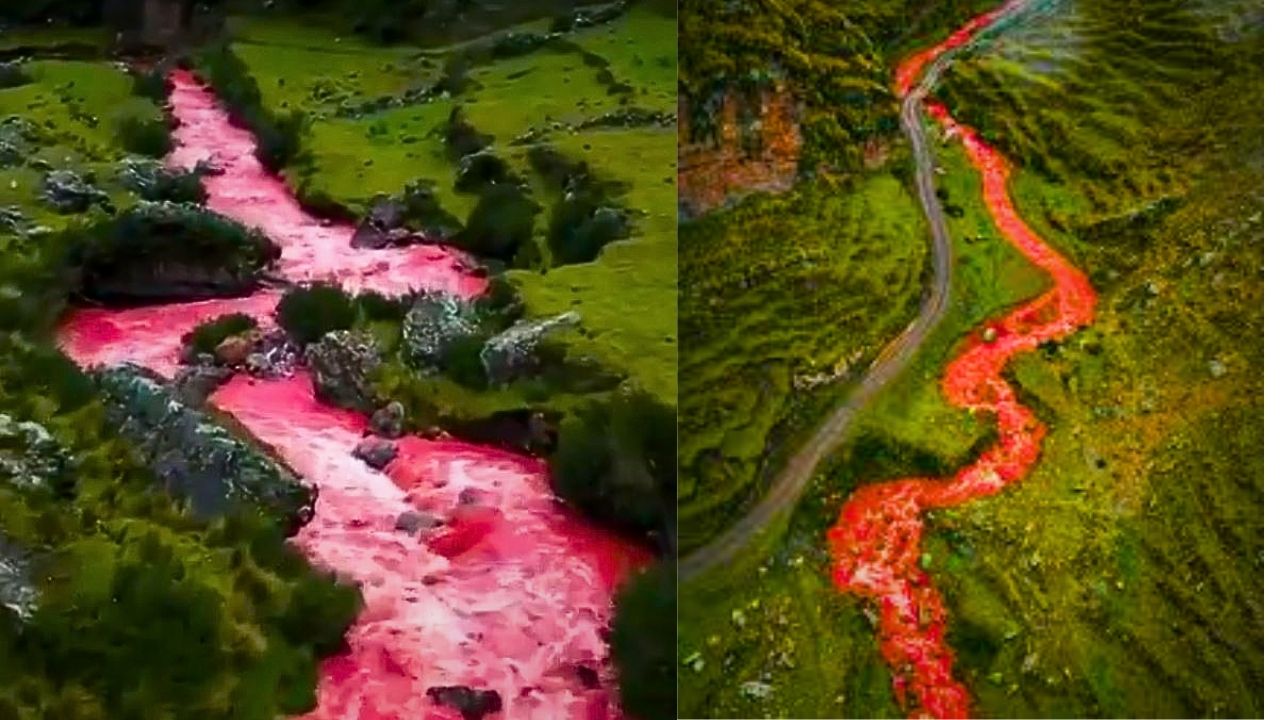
x: 1123, y: 576
x: 782, y: 301
x: 373, y: 125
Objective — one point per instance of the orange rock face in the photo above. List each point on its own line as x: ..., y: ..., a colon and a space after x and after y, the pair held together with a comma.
x: 758, y: 148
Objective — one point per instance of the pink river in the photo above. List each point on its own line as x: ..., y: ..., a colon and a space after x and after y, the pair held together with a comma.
x: 512, y: 594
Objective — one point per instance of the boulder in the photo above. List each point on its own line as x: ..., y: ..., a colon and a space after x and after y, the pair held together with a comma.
x: 152, y: 179
x: 17, y: 592
x: 31, y: 458
x: 376, y: 452
x: 386, y: 215
x: 342, y: 365
x: 69, y: 192
x: 195, y: 383
x: 434, y: 323
x: 235, y: 350
x: 274, y: 355
x: 512, y: 353
x: 388, y: 421
x: 414, y: 522
x: 134, y: 256
x: 197, y: 459
x: 473, y: 704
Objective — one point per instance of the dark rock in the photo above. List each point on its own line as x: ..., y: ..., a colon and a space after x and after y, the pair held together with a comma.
x: 388, y: 421
x: 589, y: 678
x: 12, y: 220
x: 31, y: 458
x: 469, y: 496
x: 342, y: 365
x: 69, y: 192
x: 434, y: 323
x: 387, y: 214
x: 513, y: 352
x: 473, y: 704
x: 376, y: 452
x: 198, y: 459
x: 194, y: 384
x: 414, y: 522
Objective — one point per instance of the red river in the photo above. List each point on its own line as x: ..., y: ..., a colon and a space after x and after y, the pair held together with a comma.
x: 875, y: 545
x: 513, y: 594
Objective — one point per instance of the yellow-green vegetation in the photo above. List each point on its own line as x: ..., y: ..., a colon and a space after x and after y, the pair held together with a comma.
x: 627, y: 296
x: 1122, y: 577
x: 68, y: 117
x: 836, y: 56
x: 782, y: 300
x: 766, y: 635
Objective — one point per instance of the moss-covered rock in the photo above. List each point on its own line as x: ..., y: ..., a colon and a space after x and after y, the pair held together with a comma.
x: 197, y: 459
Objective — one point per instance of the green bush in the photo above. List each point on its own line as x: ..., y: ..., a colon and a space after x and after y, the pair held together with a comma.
x: 307, y: 313
x: 279, y: 137
x: 160, y: 250
x: 462, y: 362
x: 500, y: 224
x: 209, y: 334
x: 643, y: 641
x: 616, y: 461
x: 143, y: 133
x: 374, y: 307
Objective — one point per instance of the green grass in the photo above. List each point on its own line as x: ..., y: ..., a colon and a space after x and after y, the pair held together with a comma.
x: 627, y: 296
x: 641, y: 49
x: 75, y: 107
x: 771, y: 616
x: 805, y: 287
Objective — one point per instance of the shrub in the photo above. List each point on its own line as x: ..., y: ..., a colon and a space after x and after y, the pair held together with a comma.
x: 143, y: 133
x: 462, y: 362
x: 616, y: 461
x: 374, y: 307
x: 158, y: 250
x: 308, y: 313
x: 209, y: 334
x: 501, y: 222
x: 643, y: 643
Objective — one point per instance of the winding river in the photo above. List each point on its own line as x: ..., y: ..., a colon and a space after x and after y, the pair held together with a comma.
x: 875, y: 544
x: 513, y: 594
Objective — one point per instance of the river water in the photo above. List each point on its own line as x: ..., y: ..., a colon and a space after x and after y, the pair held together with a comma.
x: 513, y: 594
x: 876, y: 543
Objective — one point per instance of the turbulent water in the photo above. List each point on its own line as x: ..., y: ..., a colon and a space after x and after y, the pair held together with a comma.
x: 875, y: 544
x: 512, y: 594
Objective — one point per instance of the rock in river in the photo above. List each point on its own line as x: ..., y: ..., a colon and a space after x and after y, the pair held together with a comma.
x: 376, y: 452
x: 196, y: 458
x: 473, y: 704
x: 342, y: 364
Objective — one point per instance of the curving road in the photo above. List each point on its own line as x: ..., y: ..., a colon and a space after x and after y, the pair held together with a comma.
x: 790, y: 483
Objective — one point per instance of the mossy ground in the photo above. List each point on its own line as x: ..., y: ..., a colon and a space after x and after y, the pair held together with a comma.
x: 75, y: 107
x: 777, y: 292
x: 1122, y: 577
x: 626, y: 297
